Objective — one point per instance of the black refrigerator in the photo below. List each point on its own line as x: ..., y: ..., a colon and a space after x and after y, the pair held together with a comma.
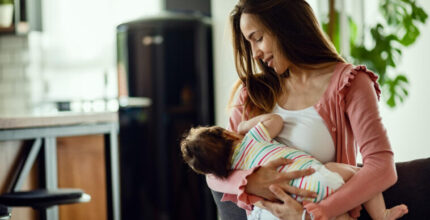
x: 167, y: 63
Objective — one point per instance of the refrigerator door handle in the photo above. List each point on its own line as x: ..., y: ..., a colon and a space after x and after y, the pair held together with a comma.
x: 135, y: 101
x: 148, y: 40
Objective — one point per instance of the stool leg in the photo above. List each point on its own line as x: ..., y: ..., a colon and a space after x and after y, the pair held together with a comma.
x: 112, y: 174
x: 25, y: 166
x: 50, y: 163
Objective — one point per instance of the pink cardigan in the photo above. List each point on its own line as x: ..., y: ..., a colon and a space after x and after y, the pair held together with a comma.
x: 349, y: 108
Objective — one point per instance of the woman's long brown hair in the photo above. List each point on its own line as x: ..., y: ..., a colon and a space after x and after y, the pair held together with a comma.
x: 299, y: 37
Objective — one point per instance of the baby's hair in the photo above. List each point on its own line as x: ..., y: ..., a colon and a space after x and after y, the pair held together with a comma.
x: 208, y: 150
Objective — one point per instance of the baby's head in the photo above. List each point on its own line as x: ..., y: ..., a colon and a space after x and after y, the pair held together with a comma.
x: 208, y: 150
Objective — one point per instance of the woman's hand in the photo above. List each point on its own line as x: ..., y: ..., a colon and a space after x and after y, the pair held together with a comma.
x: 259, y: 182
x: 287, y: 209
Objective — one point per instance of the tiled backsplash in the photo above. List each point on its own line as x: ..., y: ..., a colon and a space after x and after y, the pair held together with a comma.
x: 20, y: 83
x: 31, y: 81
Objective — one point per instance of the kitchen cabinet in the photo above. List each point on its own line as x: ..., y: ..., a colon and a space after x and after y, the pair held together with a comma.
x: 27, y: 16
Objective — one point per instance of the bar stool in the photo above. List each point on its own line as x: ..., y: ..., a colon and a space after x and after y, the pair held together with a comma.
x: 40, y: 199
x: 4, y: 213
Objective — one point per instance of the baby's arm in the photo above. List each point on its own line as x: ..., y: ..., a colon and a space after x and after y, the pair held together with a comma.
x: 272, y: 122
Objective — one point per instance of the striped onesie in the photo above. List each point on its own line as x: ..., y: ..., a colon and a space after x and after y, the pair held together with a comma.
x: 257, y: 148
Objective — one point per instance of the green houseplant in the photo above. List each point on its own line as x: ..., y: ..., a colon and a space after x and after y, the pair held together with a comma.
x: 6, y: 2
x: 388, y: 38
x: 6, y: 13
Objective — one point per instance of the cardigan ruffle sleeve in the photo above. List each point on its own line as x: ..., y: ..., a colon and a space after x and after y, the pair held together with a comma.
x: 234, y: 188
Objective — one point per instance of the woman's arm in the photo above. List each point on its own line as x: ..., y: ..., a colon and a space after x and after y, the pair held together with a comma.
x: 378, y: 172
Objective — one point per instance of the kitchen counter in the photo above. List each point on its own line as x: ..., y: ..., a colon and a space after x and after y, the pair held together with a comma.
x: 11, y: 121
x: 44, y: 129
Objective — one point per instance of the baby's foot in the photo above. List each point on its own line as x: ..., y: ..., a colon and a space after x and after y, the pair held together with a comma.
x: 396, y: 212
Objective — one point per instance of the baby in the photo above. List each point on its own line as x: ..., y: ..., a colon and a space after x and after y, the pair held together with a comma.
x: 217, y: 151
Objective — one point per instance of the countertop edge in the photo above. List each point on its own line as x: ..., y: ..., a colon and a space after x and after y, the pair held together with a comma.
x: 31, y: 121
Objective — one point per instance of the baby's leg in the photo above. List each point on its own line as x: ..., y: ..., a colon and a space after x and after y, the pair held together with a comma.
x: 376, y: 205
x: 344, y: 170
x: 377, y: 210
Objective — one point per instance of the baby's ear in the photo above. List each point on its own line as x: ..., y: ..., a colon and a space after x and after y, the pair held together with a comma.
x: 229, y: 135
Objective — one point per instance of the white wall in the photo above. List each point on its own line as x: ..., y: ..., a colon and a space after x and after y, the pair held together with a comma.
x: 225, y: 73
x: 407, y: 124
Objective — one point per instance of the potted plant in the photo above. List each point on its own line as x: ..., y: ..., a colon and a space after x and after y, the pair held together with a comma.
x: 399, y: 28
x: 6, y: 13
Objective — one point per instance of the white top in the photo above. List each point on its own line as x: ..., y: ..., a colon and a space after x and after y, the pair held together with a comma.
x: 305, y: 130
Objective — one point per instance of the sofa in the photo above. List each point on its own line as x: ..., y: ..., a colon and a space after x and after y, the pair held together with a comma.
x: 412, y: 189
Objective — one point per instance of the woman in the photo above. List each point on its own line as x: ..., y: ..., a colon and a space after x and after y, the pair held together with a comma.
x: 287, y: 66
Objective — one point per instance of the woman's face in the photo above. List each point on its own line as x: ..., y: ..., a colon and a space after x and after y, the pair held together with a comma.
x: 263, y: 43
